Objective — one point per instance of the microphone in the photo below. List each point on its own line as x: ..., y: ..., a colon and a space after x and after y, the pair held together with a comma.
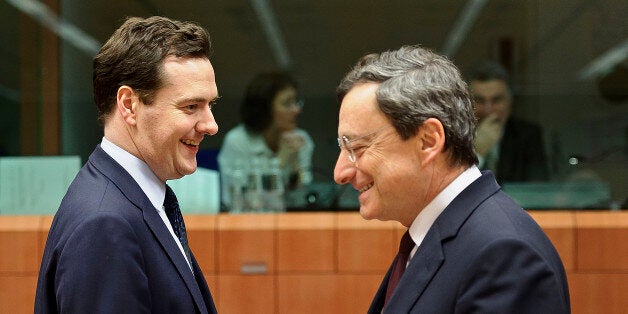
x: 576, y: 159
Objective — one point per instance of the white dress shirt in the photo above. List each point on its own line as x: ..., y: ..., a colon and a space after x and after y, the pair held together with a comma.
x: 424, y: 221
x: 152, y: 186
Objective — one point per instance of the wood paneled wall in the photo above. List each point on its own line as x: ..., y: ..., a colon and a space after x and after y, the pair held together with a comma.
x: 328, y: 262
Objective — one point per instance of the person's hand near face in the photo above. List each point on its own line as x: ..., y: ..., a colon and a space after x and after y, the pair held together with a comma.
x: 289, y: 146
x: 488, y: 134
x: 492, y: 103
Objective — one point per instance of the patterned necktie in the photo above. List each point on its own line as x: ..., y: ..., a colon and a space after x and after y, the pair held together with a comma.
x: 401, y: 260
x: 176, y: 220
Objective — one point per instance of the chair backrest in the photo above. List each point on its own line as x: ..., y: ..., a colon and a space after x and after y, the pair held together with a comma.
x: 35, y: 185
x: 198, y: 193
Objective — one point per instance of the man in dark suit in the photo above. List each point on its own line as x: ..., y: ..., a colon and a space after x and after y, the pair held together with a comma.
x: 118, y: 242
x: 512, y: 148
x: 406, y: 130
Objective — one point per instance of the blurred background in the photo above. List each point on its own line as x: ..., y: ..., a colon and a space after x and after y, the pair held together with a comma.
x: 568, y: 60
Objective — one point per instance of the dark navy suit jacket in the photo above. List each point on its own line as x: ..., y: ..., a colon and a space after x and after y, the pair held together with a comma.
x: 522, y: 153
x: 483, y: 254
x: 109, y: 251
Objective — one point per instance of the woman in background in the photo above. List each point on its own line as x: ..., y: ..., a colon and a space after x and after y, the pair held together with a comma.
x: 269, y: 130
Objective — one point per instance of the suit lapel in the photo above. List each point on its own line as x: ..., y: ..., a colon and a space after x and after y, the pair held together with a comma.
x: 430, y: 254
x: 156, y: 224
x: 203, y: 287
x: 380, y: 296
x: 125, y: 183
x: 422, y: 267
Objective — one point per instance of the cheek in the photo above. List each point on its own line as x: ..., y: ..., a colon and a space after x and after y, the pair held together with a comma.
x: 151, y: 130
x: 394, y: 175
x: 386, y: 174
x: 479, y: 113
x: 286, y: 116
x: 399, y: 170
x: 504, y: 109
x: 164, y: 135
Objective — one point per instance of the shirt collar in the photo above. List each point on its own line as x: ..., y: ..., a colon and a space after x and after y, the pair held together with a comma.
x: 424, y: 221
x: 150, y: 184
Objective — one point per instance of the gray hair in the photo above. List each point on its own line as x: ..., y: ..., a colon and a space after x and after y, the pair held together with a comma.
x: 415, y: 85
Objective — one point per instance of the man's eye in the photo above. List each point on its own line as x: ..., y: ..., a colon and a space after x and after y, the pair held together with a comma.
x: 358, y: 150
x: 213, y: 102
x: 191, y: 107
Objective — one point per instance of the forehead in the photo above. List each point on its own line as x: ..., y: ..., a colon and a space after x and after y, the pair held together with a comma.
x: 285, y: 93
x: 188, y: 68
x: 359, y: 112
x: 184, y: 75
x: 488, y: 88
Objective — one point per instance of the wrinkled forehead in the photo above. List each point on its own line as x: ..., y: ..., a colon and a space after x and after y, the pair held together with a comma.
x: 359, y: 111
x: 489, y: 89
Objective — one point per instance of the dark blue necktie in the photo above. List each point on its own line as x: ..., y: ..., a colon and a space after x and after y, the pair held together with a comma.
x: 176, y: 220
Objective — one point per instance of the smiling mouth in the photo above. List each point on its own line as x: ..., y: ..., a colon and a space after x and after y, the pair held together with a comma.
x: 364, y: 189
x: 190, y: 143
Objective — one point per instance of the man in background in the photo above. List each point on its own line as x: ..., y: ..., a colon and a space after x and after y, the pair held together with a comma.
x: 406, y: 131
x: 118, y: 242
x: 512, y: 148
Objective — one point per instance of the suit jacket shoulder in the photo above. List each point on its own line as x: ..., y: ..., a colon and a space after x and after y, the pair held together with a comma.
x: 483, y: 254
x: 108, y: 250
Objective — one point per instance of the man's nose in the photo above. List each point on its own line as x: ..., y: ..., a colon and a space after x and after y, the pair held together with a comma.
x: 207, y: 125
x: 485, y: 107
x: 344, y: 170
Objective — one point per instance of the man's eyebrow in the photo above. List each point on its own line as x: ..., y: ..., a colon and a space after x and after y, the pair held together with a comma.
x: 347, y: 135
x: 200, y: 99
x: 356, y: 137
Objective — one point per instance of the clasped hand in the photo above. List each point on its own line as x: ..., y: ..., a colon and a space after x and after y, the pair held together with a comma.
x: 488, y: 134
x: 289, y: 145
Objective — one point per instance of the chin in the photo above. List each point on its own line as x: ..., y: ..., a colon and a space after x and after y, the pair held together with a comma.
x: 191, y: 170
x: 187, y: 170
x: 367, y: 213
x: 290, y: 126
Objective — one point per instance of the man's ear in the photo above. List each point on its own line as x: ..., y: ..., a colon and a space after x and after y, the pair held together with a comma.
x: 127, y: 103
x: 431, y: 139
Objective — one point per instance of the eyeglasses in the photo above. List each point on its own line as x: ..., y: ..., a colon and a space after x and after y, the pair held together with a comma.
x: 494, y: 101
x: 296, y: 104
x: 345, y: 142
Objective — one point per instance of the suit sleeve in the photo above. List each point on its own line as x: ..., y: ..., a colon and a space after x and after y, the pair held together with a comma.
x: 101, y: 269
x: 509, y: 276
x: 536, y: 159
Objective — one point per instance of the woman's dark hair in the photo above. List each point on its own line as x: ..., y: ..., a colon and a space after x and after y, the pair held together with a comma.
x: 256, y: 111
